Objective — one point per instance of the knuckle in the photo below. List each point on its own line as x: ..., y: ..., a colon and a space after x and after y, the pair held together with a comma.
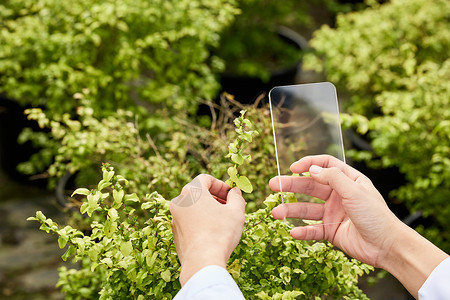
x: 309, y: 187
x: 202, y: 177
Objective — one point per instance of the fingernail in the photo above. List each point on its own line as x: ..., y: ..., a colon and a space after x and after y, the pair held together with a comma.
x: 315, y: 169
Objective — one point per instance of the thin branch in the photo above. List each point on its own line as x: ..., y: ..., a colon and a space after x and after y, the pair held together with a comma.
x: 152, y: 143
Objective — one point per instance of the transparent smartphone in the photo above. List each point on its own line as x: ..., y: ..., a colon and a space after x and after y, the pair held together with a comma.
x: 305, y: 121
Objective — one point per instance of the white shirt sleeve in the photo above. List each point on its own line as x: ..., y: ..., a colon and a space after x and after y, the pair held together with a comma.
x: 437, y: 285
x: 211, y: 282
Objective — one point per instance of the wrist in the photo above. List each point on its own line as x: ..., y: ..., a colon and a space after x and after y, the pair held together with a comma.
x: 411, y: 258
x: 199, y: 257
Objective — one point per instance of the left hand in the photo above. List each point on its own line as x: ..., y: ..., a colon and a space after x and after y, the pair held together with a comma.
x: 207, y: 224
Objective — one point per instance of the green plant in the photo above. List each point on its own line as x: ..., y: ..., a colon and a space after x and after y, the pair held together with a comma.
x: 237, y: 156
x: 128, y: 253
x: 150, y: 53
x: 381, y: 49
x: 81, y: 144
x: 251, y: 46
x: 392, y: 60
x: 164, y: 164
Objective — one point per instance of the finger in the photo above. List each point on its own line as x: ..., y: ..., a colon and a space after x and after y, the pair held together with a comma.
x: 309, y: 211
x: 235, y: 199
x: 215, y: 186
x: 316, y: 233
x: 337, y: 180
x: 220, y: 200
x: 300, y: 184
x: 324, y: 161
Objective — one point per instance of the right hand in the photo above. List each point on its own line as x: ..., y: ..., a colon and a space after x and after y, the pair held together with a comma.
x: 360, y: 222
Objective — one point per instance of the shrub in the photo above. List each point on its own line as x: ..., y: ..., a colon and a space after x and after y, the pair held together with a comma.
x: 83, y: 143
x: 392, y: 59
x: 252, y: 47
x: 128, y: 252
x: 151, y: 53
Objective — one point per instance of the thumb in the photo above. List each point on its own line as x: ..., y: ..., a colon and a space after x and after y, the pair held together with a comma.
x: 235, y: 199
x: 336, y: 179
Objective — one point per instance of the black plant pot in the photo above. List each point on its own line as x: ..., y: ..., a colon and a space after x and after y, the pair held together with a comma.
x: 12, y: 122
x: 246, y: 89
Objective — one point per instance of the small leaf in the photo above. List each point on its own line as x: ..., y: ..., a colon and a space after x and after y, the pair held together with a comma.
x: 40, y: 216
x: 232, y: 172
x: 232, y: 147
x: 150, y: 260
x: 118, y: 197
x: 81, y: 191
x: 230, y: 183
x: 132, y: 197
x: 84, y: 208
x: 247, y: 136
x: 103, y: 184
x: 237, y: 159
x: 107, y: 261
x: 121, y: 178
x: 244, y: 184
x: 62, y: 241
x: 107, y: 175
x: 112, y: 214
x: 70, y: 251
x: 166, y: 275
x: 126, y: 248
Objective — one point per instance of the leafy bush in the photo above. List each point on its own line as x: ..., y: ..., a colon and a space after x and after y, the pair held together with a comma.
x: 251, y: 46
x: 155, y: 163
x: 381, y: 48
x: 129, y: 252
x: 393, y: 61
x: 151, y: 53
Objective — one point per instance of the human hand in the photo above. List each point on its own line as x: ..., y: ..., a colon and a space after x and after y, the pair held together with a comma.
x: 355, y: 216
x: 207, y: 224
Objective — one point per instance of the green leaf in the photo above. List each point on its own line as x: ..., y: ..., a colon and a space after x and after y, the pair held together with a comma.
x: 84, y: 207
x: 166, y: 275
x: 247, y: 136
x: 70, y: 251
x: 92, y: 203
x: 132, y: 197
x: 126, y: 248
x: 62, y: 241
x: 112, y: 214
x: 40, y: 216
x: 232, y: 147
x: 150, y: 260
x: 232, y: 172
x: 103, y: 184
x: 237, y: 158
x: 229, y: 182
x: 81, y: 191
x: 107, y: 261
x: 118, y: 197
x: 107, y: 175
x: 244, y: 184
